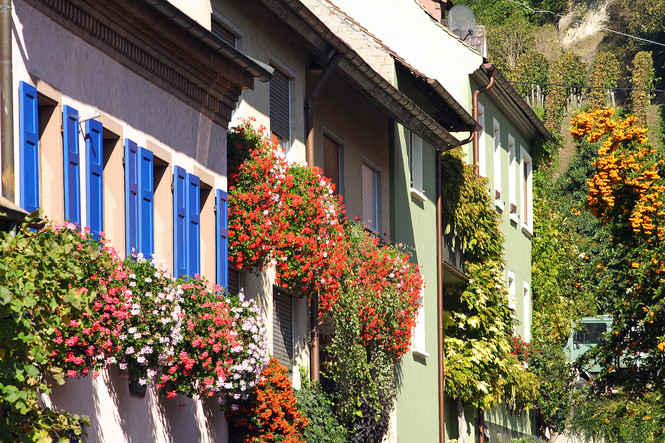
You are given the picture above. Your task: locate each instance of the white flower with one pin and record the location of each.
(148, 280)
(132, 330)
(130, 350)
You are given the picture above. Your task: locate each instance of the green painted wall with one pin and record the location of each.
(414, 224)
(517, 240)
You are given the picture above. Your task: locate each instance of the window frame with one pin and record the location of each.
(526, 184)
(285, 141)
(512, 179)
(526, 312)
(418, 342)
(340, 160)
(482, 148)
(277, 321)
(416, 182)
(377, 195)
(496, 162)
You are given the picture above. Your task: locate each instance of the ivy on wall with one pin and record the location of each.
(481, 369)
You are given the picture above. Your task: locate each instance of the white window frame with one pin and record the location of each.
(482, 148)
(416, 186)
(512, 180)
(526, 190)
(512, 296)
(328, 133)
(377, 192)
(496, 142)
(526, 309)
(418, 342)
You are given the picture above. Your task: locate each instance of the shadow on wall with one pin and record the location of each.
(117, 416)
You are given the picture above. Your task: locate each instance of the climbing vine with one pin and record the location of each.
(481, 368)
(286, 215)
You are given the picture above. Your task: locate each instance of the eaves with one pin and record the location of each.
(358, 73)
(512, 104)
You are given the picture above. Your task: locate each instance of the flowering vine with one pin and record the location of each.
(283, 213)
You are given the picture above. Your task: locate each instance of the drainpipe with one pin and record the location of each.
(476, 153)
(314, 361)
(7, 105)
(439, 298)
(309, 105)
(476, 150)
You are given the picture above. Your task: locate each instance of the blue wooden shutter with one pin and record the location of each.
(179, 221)
(146, 215)
(29, 146)
(70, 140)
(94, 152)
(131, 196)
(222, 238)
(193, 224)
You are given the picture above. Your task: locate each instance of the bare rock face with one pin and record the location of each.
(583, 23)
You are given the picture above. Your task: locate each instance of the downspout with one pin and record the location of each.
(439, 298)
(309, 105)
(476, 150)
(476, 153)
(6, 85)
(314, 362)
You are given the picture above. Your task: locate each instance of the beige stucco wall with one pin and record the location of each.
(70, 71)
(263, 38)
(362, 130)
(199, 10)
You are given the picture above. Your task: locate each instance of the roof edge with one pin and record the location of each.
(512, 102)
(258, 69)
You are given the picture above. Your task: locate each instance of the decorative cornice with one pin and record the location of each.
(149, 44)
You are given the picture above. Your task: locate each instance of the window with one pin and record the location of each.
(51, 181)
(29, 147)
(94, 179)
(139, 197)
(222, 234)
(512, 178)
(527, 191)
(418, 347)
(221, 31)
(482, 157)
(512, 296)
(280, 111)
(370, 198)
(416, 165)
(282, 327)
(72, 171)
(186, 223)
(526, 321)
(497, 164)
(332, 162)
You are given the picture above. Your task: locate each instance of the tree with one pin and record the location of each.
(626, 194)
(642, 78)
(604, 72)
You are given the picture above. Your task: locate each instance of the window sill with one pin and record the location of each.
(514, 218)
(418, 195)
(420, 353)
(528, 230)
(499, 204)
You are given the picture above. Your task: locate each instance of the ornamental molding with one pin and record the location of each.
(148, 43)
